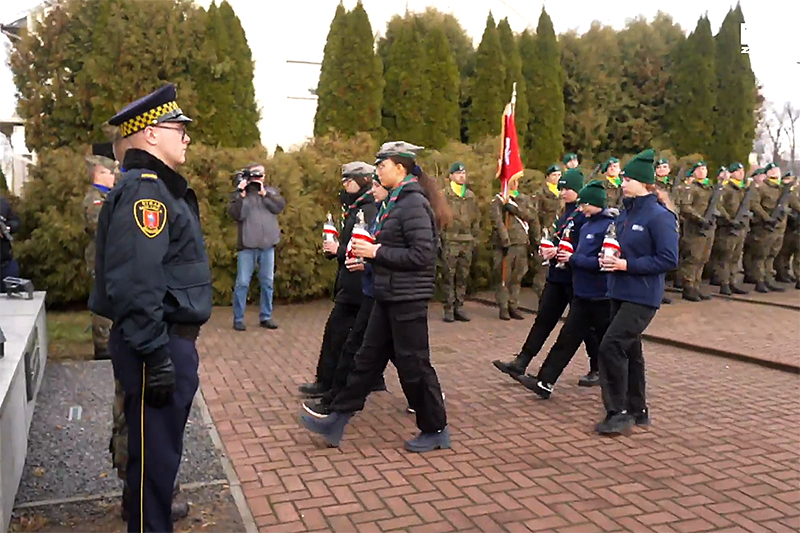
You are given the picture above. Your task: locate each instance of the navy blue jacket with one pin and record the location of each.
(648, 237)
(573, 219)
(588, 281)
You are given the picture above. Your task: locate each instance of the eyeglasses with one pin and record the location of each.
(180, 129)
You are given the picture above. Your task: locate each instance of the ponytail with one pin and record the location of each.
(441, 211)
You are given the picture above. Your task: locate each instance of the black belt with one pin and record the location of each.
(186, 331)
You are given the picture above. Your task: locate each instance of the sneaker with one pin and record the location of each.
(531, 383)
(316, 408)
(312, 390)
(615, 424)
(641, 418)
(268, 324)
(427, 442)
(330, 427)
(239, 326)
(589, 380)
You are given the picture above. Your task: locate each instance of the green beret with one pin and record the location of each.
(357, 169)
(458, 166)
(553, 168)
(594, 193)
(642, 167)
(608, 163)
(662, 161)
(397, 149)
(788, 174)
(770, 166)
(722, 169)
(695, 167)
(756, 172)
(735, 166)
(569, 157)
(572, 179)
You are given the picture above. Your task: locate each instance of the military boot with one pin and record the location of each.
(784, 278)
(715, 281)
(691, 294)
(460, 315)
(515, 314)
(797, 285)
(504, 314)
(773, 287)
(761, 287)
(738, 290)
(448, 315)
(513, 368)
(725, 289)
(101, 353)
(666, 300)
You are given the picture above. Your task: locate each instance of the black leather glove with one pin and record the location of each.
(159, 379)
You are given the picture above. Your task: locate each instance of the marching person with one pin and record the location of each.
(356, 197)
(590, 308)
(790, 249)
(154, 282)
(546, 206)
(570, 160)
(732, 230)
(459, 242)
(751, 247)
(404, 276)
(648, 237)
(557, 292)
(511, 219)
(725, 218)
(768, 227)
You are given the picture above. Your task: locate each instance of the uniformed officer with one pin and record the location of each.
(154, 282)
(546, 204)
(756, 179)
(570, 160)
(612, 182)
(664, 192)
(768, 226)
(459, 242)
(725, 218)
(732, 230)
(790, 250)
(511, 220)
(100, 168)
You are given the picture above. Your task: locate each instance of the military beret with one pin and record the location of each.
(735, 166)
(569, 157)
(608, 163)
(695, 167)
(788, 174)
(571, 179)
(722, 169)
(458, 166)
(357, 168)
(397, 149)
(662, 161)
(155, 108)
(756, 172)
(553, 168)
(770, 166)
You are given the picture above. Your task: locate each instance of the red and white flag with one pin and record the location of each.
(509, 164)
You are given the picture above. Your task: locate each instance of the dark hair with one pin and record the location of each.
(362, 181)
(441, 211)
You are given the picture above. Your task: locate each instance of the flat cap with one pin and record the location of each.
(356, 169)
(159, 106)
(397, 149)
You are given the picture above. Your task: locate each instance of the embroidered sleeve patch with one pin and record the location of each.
(148, 176)
(150, 216)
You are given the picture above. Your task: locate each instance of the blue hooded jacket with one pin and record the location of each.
(573, 219)
(588, 281)
(648, 238)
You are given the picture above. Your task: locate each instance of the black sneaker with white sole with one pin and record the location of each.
(316, 408)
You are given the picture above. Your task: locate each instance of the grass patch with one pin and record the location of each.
(70, 334)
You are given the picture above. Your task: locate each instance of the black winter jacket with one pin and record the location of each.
(348, 284)
(405, 265)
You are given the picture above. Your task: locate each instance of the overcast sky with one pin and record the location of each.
(296, 30)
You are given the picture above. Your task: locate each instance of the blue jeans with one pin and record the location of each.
(248, 259)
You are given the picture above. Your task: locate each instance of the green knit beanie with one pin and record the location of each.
(571, 179)
(641, 168)
(594, 193)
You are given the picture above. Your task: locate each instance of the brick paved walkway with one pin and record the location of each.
(723, 453)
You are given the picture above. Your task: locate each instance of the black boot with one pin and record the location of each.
(504, 314)
(761, 287)
(101, 354)
(690, 295)
(783, 278)
(460, 315)
(590, 380)
(703, 296)
(516, 315)
(179, 509)
(773, 287)
(715, 281)
(312, 390)
(512, 368)
(725, 289)
(797, 285)
(666, 300)
(738, 290)
(749, 279)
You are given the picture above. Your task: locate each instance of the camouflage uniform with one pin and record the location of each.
(766, 238)
(697, 240)
(790, 250)
(729, 239)
(613, 191)
(546, 207)
(515, 241)
(459, 240)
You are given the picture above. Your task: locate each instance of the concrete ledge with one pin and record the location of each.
(24, 324)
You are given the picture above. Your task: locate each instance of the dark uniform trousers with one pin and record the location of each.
(8, 269)
(621, 359)
(555, 298)
(351, 345)
(155, 436)
(341, 319)
(584, 316)
(398, 331)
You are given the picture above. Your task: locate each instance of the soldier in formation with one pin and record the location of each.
(790, 249)
(612, 182)
(547, 205)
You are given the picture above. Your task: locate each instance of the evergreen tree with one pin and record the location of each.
(364, 70)
(488, 97)
(407, 91)
(513, 67)
(545, 97)
(443, 111)
(735, 121)
(692, 115)
(331, 85)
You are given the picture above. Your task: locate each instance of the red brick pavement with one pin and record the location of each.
(722, 455)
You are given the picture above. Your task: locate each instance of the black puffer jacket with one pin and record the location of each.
(405, 264)
(348, 284)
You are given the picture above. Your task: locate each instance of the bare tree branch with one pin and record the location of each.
(792, 115)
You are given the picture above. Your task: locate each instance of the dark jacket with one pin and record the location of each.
(151, 264)
(588, 281)
(257, 217)
(348, 284)
(11, 220)
(368, 277)
(405, 264)
(648, 237)
(573, 219)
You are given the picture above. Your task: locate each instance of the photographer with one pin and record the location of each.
(255, 207)
(9, 224)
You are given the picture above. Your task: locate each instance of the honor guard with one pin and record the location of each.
(154, 282)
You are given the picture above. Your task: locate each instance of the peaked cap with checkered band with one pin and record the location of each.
(155, 108)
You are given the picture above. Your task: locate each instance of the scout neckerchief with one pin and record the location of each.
(704, 182)
(567, 223)
(388, 205)
(553, 188)
(460, 190)
(614, 180)
(737, 183)
(514, 193)
(361, 200)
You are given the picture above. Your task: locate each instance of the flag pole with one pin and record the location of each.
(507, 220)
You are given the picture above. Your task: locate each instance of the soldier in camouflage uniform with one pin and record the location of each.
(731, 233)
(768, 229)
(511, 247)
(698, 236)
(546, 204)
(570, 160)
(748, 254)
(459, 242)
(790, 250)
(712, 268)
(101, 171)
(664, 193)
(613, 182)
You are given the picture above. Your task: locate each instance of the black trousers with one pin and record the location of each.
(398, 331)
(353, 342)
(555, 298)
(621, 359)
(338, 326)
(8, 269)
(584, 316)
(155, 436)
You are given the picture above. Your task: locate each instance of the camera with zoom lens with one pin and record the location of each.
(246, 174)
